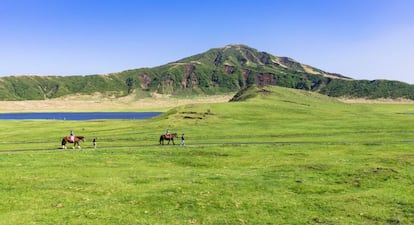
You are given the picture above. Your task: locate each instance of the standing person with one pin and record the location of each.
(182, 140)
(94, 142)
(72, 136)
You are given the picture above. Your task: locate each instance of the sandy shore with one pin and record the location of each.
(97, 103)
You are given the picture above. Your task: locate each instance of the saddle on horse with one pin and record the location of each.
(69, 139)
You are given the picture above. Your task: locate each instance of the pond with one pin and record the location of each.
(79, 115)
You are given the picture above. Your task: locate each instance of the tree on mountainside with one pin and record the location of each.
(130, 84)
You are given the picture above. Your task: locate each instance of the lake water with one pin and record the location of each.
(79, 116)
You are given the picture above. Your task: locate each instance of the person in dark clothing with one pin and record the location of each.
(94, 142)
(182, 140)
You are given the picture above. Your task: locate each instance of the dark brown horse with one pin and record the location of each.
(75, 141)
(169, 137)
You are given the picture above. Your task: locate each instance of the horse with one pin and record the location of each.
(169, 137)
(75, 142)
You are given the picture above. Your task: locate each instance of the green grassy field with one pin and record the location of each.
(282, 157)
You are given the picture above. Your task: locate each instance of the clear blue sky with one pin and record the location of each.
(362, 39)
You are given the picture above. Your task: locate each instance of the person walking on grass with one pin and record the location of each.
(94, 142)
(182, 140)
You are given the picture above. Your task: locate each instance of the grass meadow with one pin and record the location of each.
(283, 157)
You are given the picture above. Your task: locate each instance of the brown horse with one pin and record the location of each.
(169, 137)
(75, 142)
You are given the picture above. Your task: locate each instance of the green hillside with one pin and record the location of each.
(271, 156)
(219, 70)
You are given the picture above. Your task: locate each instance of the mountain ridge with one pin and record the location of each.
(218, 70)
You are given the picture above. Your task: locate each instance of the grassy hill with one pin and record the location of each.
(271, 156)
(216, 71)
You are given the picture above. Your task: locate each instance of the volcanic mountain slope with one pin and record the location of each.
(235, 66)
(219, 70)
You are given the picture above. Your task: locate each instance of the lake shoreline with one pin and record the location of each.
(79, 115)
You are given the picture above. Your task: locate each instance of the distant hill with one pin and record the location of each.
(219, 70)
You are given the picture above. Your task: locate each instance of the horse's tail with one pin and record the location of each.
(63, 141)
(161, 138)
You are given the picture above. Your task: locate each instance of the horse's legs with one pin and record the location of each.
(76, 143)
(63, 143)
(173, 141)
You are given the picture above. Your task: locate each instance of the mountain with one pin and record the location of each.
(219, 70)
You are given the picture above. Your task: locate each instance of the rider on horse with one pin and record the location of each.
(167, 133)
(72, 136)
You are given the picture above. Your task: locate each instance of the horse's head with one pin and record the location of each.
(174, 135)
(81, 138)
